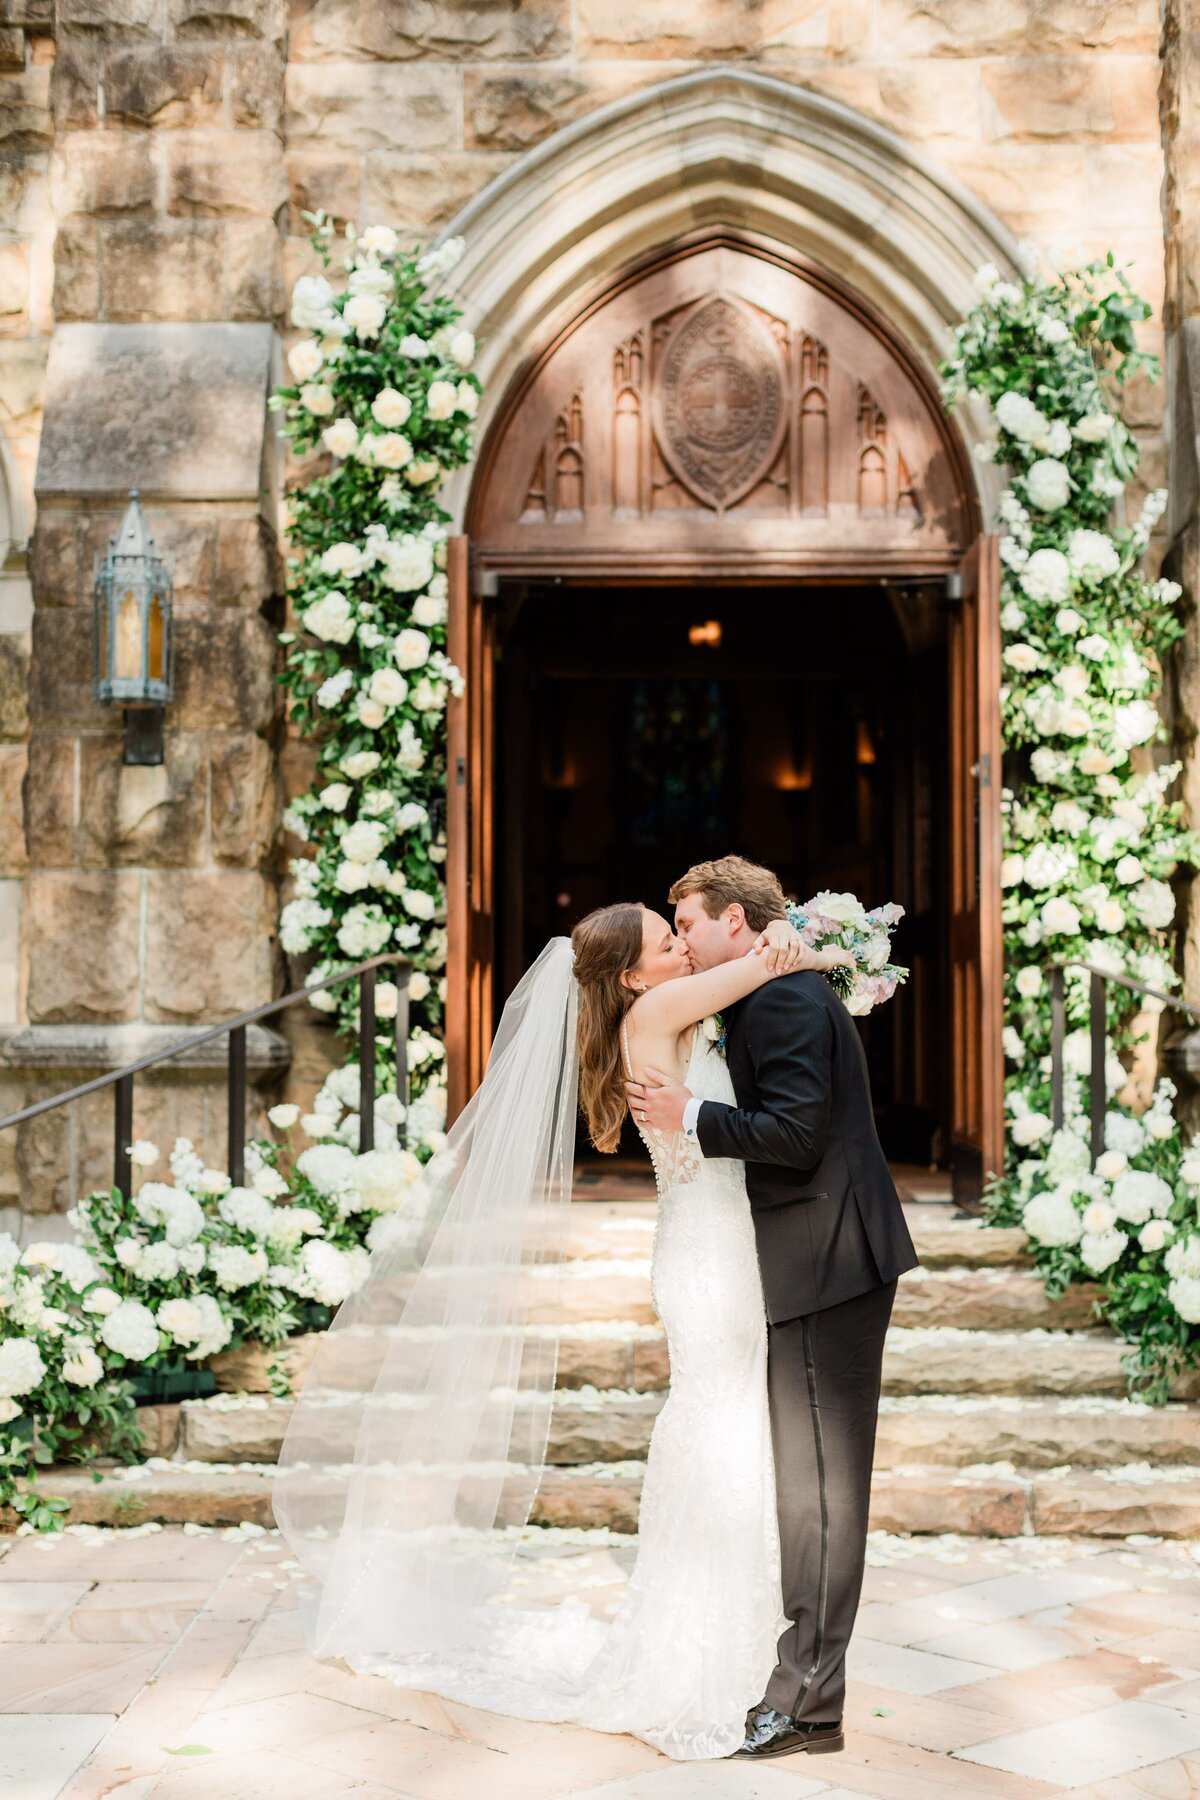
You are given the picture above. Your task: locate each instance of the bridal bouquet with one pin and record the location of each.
(842, 919)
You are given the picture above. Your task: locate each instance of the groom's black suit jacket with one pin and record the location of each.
(826, 1213)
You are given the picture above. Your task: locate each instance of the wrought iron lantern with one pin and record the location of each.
(132, 595)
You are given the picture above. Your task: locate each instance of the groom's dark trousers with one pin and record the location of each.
(832, 1241)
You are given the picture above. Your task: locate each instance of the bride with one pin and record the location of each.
(415, 1451)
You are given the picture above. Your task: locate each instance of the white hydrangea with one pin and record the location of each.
(330, 1168)
(324, 1273)
(246, 1210)
(178, 1213)
(290, 1225)
(1048, 484)
(1099, 1250)
(1052, 1218)
(1092, 555)
(22, 1367)
(234, 1267)
(131, 1330)
(1121, 1132)
(1183, 1257)
(1046, 577)
(331, 618)
(1140, 1195)
(157, 1262)
(1184, 1295)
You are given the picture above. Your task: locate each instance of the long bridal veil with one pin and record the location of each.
(413, 1454)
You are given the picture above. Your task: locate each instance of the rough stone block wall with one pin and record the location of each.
(155, 157)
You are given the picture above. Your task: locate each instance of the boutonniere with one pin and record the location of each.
(714, 1030)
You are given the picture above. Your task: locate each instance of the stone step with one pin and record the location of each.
(973, 1299)
(603, 1230)
(994, 1500)
(614, 1353)
(945, 1430)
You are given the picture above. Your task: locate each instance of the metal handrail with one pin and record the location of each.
(235, 1029)
(1097, 1026)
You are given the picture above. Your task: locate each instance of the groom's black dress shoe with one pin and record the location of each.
(771, 1733)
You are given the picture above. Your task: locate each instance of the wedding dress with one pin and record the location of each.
(440, 1385)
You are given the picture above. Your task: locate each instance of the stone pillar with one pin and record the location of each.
(151, 891)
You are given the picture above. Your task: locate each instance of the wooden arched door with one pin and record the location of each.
(723, 412)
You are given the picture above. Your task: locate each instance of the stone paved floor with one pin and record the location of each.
(168, 1663)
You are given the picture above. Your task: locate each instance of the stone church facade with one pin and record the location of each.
(156, 158)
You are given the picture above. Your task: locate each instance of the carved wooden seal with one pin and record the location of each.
(718, 400)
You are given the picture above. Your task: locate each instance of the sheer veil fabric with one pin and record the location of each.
(413, 1454)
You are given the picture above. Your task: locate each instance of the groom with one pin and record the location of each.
(832, 1241)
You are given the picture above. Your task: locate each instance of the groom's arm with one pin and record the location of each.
(789, 1039)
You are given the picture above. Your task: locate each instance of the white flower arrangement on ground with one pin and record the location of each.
(183, 1269)
(1091, 839)
(382, 385)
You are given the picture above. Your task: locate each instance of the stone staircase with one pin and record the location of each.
(1003, 1412)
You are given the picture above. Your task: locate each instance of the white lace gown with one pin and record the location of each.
(693, 1642)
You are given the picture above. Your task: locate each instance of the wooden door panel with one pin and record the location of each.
(469, 834)
(976, 943)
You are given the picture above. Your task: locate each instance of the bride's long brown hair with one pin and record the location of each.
(606, 944)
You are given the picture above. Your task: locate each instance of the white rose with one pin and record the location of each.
(335, 796)
(82, 1368)
(364, 314)
(420, 904)
(389, 687)
(351, 878)
(1061, 917)
(317, 1125)
(1068, 621)
(391, 450)
(379, 240)
(1076, 721)
(1031, 1128)
(467, 399)
(843, 909)
(1156, 1235)
(1012, 871)
(414, 346)
(411, 649)
(1110, 918)
(143, 1154)
(304, 359)
(1093, 761)
(317, 400)
(1029, 982)
(1128, 870)
(1068, 816)
(102, 1301)
(312, 303)
(1022, 657)
(418, 985)
(284, 1116)
(423, 469)
(361, 764)
(391, 408)
(407, 563)
(461, 349)
(441, 400)
(1111, 1164)
(330, 618)
(369, 278)
(1093, 428)
(341, 437)
(370, 712)
(182, 1320)
(428, 609)
(342, 559)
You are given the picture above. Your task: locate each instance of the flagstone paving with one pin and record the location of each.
(168, 1664)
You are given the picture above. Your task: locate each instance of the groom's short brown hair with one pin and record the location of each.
(732, 880)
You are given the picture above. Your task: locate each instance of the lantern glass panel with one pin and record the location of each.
(156, 658)
(129, 638)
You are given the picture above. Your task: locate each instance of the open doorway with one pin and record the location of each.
(639, 729)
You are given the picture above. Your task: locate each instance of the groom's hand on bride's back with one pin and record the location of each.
(658, 1103)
